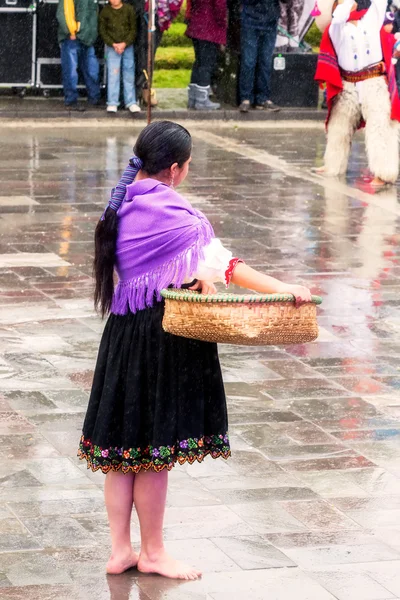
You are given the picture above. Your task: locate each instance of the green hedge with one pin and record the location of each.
(182, 14)
(174, 58)
(175, 36)
(313, 36)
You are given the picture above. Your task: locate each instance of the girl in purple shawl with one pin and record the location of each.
(156, 399)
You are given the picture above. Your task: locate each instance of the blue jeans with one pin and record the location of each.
(76, 55)
(114, 60)
(257, 48)
(206, 55)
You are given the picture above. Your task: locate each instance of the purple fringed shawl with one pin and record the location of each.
(160, 241)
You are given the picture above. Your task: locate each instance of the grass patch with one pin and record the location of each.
(171, 78)
(174, 58)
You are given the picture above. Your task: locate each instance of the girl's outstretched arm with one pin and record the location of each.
(246, 277)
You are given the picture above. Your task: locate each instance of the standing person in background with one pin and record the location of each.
(291, 11)
(77, 33)
(117, 27)
(258, 35)
(166, 13)
(207, 26)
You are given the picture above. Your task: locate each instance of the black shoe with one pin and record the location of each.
(245, 106)
(97, 104)
(75, 107)
(268, 105)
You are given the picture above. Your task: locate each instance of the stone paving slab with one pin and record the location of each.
(308, 507)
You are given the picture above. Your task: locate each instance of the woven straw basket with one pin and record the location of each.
(243, 320)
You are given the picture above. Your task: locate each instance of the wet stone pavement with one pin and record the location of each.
(308, 508)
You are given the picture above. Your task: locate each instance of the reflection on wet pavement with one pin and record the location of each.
(309, 505)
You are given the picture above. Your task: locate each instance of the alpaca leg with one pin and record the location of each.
(343, 122)
(381, 133)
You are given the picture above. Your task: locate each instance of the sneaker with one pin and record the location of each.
(268, 105)
(134, 108)
(112, 109)
(245, 106)
(75, 107)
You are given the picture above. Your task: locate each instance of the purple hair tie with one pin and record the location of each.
(118, 193)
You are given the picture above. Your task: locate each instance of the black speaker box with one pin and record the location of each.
(294, 85)
(17, 31)
(292, 80)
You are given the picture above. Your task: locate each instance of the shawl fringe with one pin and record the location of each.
(141, 292)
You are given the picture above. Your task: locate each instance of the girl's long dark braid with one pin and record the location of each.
(105, 242)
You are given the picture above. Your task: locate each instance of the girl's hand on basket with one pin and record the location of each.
(247, 277)
(205, 287)
(300, 292)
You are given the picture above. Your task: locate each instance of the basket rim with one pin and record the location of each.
(191, 296)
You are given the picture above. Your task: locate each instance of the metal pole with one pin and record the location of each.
(151, 30)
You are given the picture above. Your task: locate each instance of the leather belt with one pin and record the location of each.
(355, 76)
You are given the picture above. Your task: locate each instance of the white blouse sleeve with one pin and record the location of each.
(339, 20)
(376, 13)
(341, 14)
(217, 265)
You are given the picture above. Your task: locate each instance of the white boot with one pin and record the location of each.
(202, 98)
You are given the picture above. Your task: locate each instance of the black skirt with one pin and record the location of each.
(156, 398)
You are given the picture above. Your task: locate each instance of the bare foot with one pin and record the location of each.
(320, 170)
(167, 567)
(121, 563)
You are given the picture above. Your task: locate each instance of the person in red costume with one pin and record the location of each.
(355, 63)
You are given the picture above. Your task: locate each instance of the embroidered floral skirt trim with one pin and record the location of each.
(164, 457)
(156, 399)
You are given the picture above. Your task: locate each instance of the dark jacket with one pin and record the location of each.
(208, 20)
(396, 24)
(260, 13)
(117, 25)
(86, 14)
